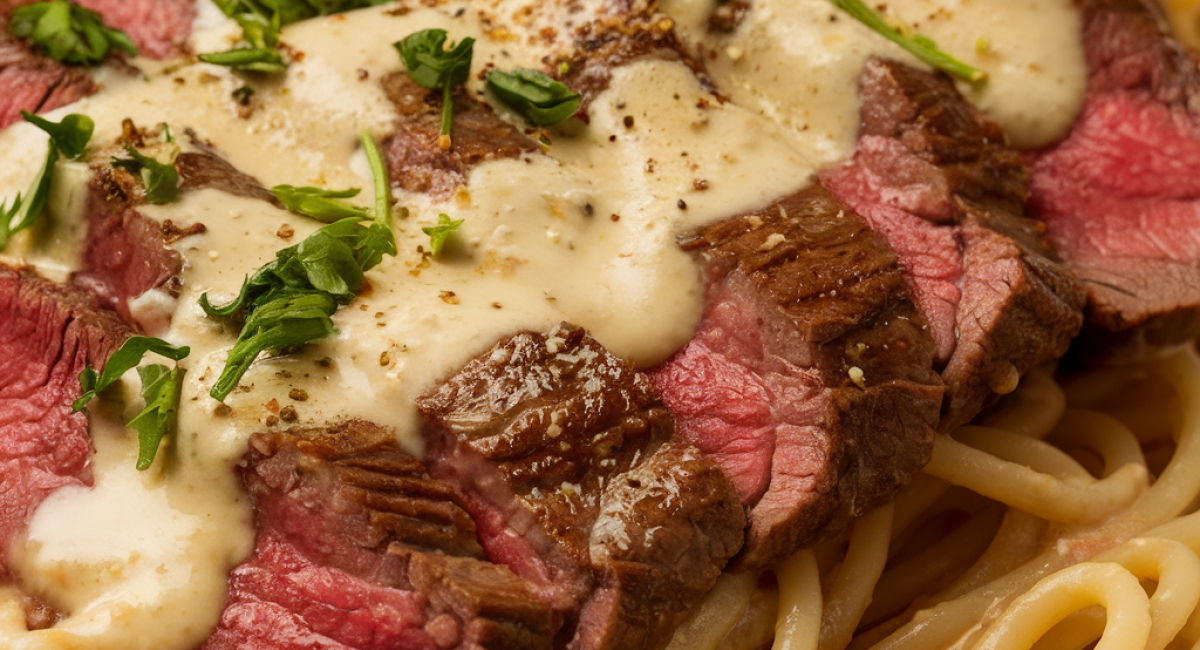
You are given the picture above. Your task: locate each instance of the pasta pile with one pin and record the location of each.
(1064, 518)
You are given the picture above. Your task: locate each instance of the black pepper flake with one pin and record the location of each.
(288, 414)
(222, 410)
(325, 363)
(272, 420)
(628, 121)
(298, 394)
(700, 185)
(588, 210)
(612, 138)
(243, 94)
(682, 204)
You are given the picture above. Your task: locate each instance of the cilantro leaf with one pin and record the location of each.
(441, 232)
(290, 300)
(160, 391)
(127, 357)
(535, 95)
(919, 46)
(433, 66)
(66, 32)
(319, 204)
(160, 180)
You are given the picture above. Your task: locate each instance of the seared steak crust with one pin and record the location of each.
(1119, 194)
(566, 453)
(359, 547)
(810, 380)
(937, 179)
(416, 162)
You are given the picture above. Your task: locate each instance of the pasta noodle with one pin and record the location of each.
(1044, 525)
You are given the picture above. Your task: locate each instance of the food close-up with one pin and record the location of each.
(599, 324)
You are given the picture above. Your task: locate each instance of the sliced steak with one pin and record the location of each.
(48, 334)
(1121, 194)
(358, 547)
(937, 179)
(416, 162)
(160, 28)
(566, 458)
(126, 254)
(810, 380)
(34, 83)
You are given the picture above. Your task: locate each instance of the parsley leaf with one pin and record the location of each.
(433, 66)
(70, 137)
(535, 95)
(160, 179)
(919, 46)
(160, 390)
(290, 301)
(319, 204)
(66, 32)
(441, 232)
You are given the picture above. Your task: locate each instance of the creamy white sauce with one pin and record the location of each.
(797, 61)
(584, 233)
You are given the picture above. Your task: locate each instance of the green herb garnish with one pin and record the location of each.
(261, 21)
(160, 179)
(160, 390)
(319, 204)
(253, 59)
(535, 95)
(919, 46)
(290, 301)
(433, 66)
(69, 137)
(441, 232)
(66, 32)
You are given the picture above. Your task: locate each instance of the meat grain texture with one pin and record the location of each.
(1120, 196)
(48, 334)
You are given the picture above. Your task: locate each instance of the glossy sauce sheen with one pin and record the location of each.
(584, 233)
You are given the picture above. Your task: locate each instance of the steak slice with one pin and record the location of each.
(126, 253)
(34, 83)
(1121, 194)
(48, 334)
(358, 547)
(936, 178)
(565, 454)
(810, 380)
(416, 162)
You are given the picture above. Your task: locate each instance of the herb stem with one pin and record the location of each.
(379, 174)
(447, 109)
(920, 47)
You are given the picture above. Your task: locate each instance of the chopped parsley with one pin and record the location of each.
(439, 234)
